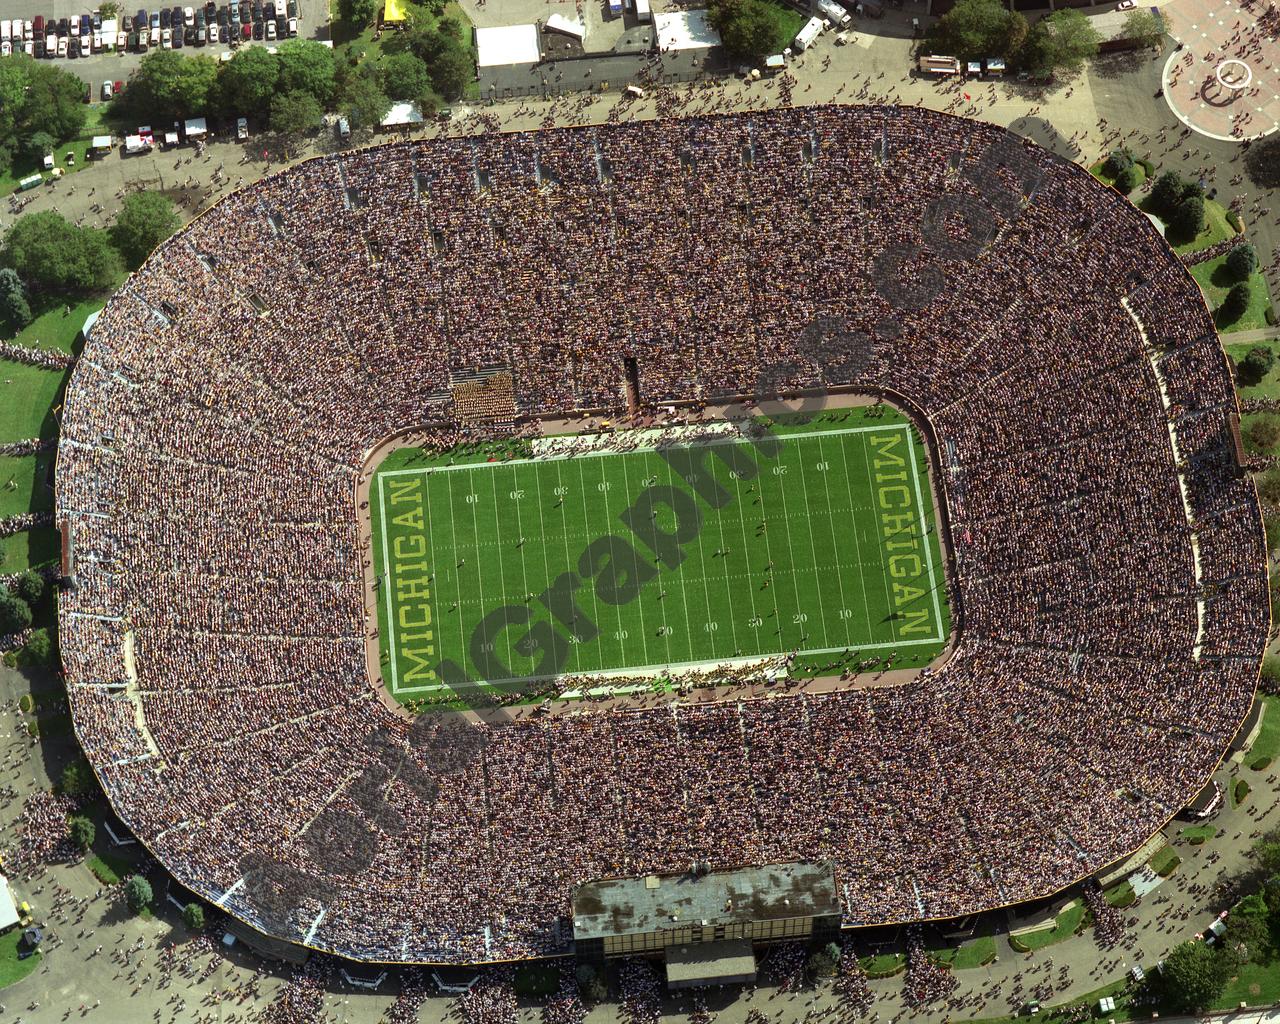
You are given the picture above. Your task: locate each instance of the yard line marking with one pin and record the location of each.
(516, 488)
(857, 544)
(386, 570)
(791, 553)
(706, 591)
(501, 560)
(742, 522)
(934, 582)
(564, 523)
(835, 544)
(813, 547)
(639, 602)
(888, 597)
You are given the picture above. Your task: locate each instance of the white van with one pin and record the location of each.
(805, 37)
(834, 13)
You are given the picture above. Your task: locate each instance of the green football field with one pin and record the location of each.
(529, 560)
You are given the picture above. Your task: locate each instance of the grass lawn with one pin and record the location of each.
(11, 968)
(1121, 895)
(537, 980)
(1098, 171)
(1197, 834)
(518, 523)
(1268, 742)
(1063, 1011)
(974, 952)
(27, 397)
(1215, 282)
(1215, 230)
(106, 869)
(786, 23)
(883, 965)
(360, 43)
(1269, 386)
(22, 484)
(1062, 928)
(94, 124)
(1165, 862)
(1254, 983)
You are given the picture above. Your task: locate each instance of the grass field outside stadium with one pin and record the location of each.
(822, 543)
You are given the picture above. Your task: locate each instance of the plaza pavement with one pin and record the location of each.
(1114, 101)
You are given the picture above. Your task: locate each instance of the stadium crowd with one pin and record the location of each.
(1107, 555)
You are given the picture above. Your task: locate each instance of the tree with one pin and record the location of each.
(137, 892)
(1242, 261)
(1129, 179)
(295, 113)
(358, 13)
(145, 220)
(15, 311)
(1262, 162)
(193, 916)
(1187, 220)
(77, 779)
(1269, 490)
(824, 962)
(1264, 432)
(1234, 305)
(1167, 192)
(15, 614)
(30, 587)
(38, 650)
(448, 56)
(1256, 364)
(974, 29)
(82, 832)
(1118, 161)
(170, 87)
(1059, 44)
(247, 82)
(307, 66)
(1143, 27)
(49, 252)
(405, 76)
(363, 101)
(1247, 927)
(1194, 975)
(746, 27)
(37, 99)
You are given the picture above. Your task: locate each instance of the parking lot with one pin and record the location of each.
(313, 23)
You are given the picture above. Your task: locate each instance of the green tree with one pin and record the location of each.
(137, 892)
(247, 82)
(170, 87)
(1242, 261)
(295, 113)
(1256, 364)
(1129, 179)
(1118, 161)
(82, 832)
(1264, 432)
(1059, 45)
(1234, 305)
(76, 779)
(193, 916)
(405, 76)
(30, 587)
(15, 614)
(307, 66)
(448, 56)
(974, 29)
(145, 220)
(15, 311)
(49, 252)
(363, 101)
(37, 144)
(1166, 192)
(358, 13)
(54, 103)
(1143, 27)
(1187, 220)
(1248, 930)
(38, 650)
(1194, 976)
(746, 27)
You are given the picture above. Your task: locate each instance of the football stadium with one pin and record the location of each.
(842, 506)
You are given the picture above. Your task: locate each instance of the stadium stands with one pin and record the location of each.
(1108, 556)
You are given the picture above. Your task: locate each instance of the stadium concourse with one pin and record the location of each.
(1109, 579)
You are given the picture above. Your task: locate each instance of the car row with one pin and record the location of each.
(168, 28)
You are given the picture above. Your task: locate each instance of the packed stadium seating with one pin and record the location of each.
(1107, 563)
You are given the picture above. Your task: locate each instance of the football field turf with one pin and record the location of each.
(540, 561)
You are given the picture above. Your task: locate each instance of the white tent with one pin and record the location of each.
(508, 44)
(197, 128)
(570, 27)
(402, 114)
(685, 30)
(8, 908)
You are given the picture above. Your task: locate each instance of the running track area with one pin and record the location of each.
(1210, 32)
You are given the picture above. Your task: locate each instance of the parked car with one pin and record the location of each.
(62, 46)
(242, 129)
(6, 48)
(271, 30)
(95, 21)
(73, 52)
(189, 36)
(189, 17)
(163, 16)
(166, 38)
(86, 25)
(293, 8)
(246, 30)
(177, 38)
(257, 30)
(344, 127)
(88, 95)
(108, 90)
(119, 86)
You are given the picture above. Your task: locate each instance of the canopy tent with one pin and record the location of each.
(394, 12)
(508, 44)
